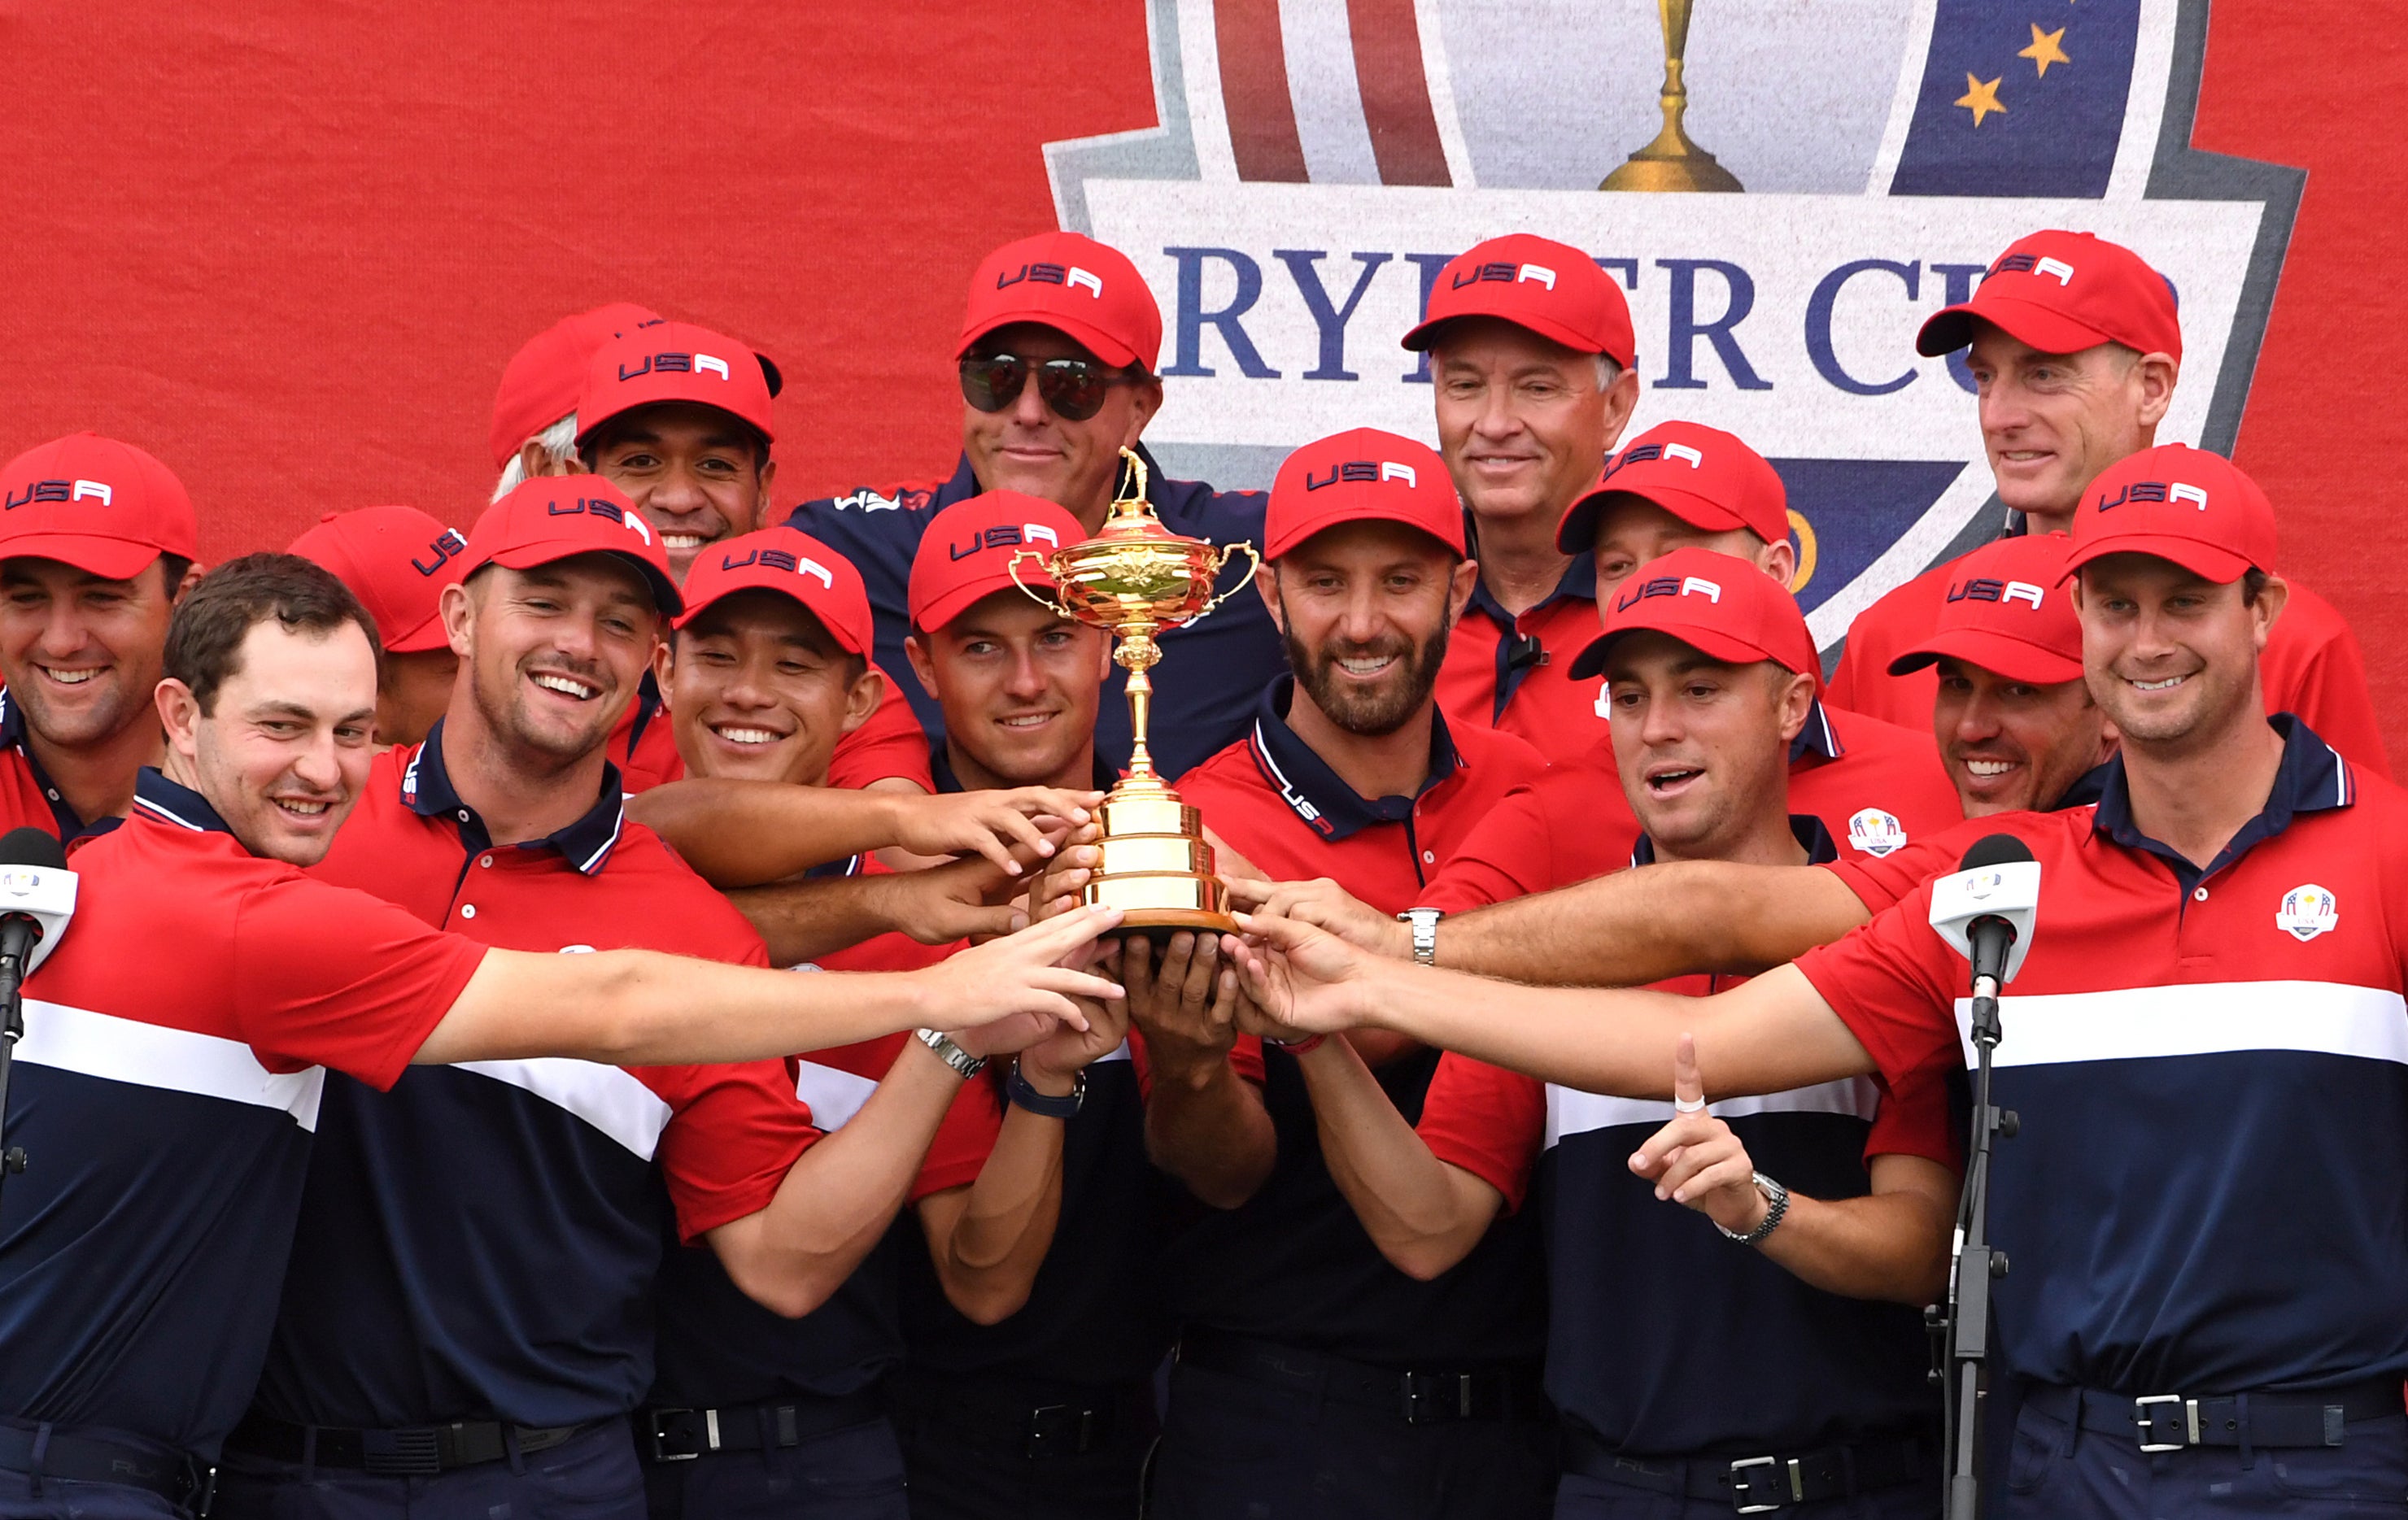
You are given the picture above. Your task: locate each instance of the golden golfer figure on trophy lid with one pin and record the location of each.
(1135, 579)
(1672, 162)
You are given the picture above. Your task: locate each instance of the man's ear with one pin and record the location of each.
(2155, 374)
(1147, 401)
(922, 666)
(458, 609)
(1621, 399)
(2273, 598)
(1267, 587)
(764, 503)
(1459, 587)
(1780, 561)
(665, 666)
(193, 574)
(179, 713)
(1796, 702)
(862, 697)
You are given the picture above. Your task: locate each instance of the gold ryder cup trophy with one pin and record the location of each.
(1671, 161)
(1135, 579)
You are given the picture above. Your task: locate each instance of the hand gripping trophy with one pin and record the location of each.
(1134, 579)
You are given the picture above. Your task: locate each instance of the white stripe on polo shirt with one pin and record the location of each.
(604, 1096)
(141, 1055)
(2203, 1019)
(1573, 1112)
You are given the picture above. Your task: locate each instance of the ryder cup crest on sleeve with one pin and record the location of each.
(396, 560)
(676, 361)
(556, 518)
(2008, 612)
(1550, 287)
(968, 552)
(540, 383)
(2181, 504)
(791, 564)
(1706, 477)
(1719, 604)
(1361, 475)
(2061, 292)
(104, 507)
(1086, 291)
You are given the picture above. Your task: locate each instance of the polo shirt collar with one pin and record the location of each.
(170, 803)
(1579, 580)
(2087, 788)
(2312, 777)
(1313, 791)
(1817, 738)
(1808, 830)
(12, 736)
(940, 768)
(426, 789)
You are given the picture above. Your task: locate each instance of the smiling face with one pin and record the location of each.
(1703, 747)
(2051, 423)
(699, 473)
(2172, 657)
(1364, 610)
(554, 654)
(82, 654)
(1029, 448)
(759, 690)
(1521, 419)
(286, 744)
(2014, 745)
(1019, 687)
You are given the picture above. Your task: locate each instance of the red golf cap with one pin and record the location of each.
(1553, 289)
(560, 516)
(395, 561)
(540, 383)
(2009, 613)
(2062, 292)
(2179, 503)
(966, 553)
(674, 361)
(792, 563)
(1718, 604)
(104, 507)
(1359, 476)
(1084, 290)
(1702, 475)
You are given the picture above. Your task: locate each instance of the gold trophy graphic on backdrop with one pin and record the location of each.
(1672, 162)
(1134, 579)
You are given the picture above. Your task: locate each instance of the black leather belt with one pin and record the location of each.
(182, 1480)
(411, 1452)
(1511, 1392)
(1037, 1419)
(669, 1434)
(2174, 1421)
(1760, 1485)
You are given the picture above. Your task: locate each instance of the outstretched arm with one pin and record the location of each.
(746, 834)
(1627, 929)
(643, 1008)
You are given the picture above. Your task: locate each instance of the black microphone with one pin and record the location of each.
(20, 929)
(1992, 934)
(1526, 651)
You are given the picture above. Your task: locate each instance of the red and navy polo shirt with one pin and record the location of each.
(28, 797)
(167, 1089)
(1211, 667)
(2211, 1064)
(1877, 788)
(1880, 881)
(1514, 674)
(538, 1181)
(2311, 666)
(1293, 1264)
(888, 743)
(717, 1347)
(1662, 1338)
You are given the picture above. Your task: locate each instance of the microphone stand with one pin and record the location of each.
(12, 1029)
(1977, 1264)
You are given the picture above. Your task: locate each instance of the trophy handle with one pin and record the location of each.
(1253, 564)
(1050, 603)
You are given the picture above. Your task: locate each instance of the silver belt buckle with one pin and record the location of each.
(2144, 1425)
(1797, 1485)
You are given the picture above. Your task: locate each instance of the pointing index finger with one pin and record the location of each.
(1689, 1087)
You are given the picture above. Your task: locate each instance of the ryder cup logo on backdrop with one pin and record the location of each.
(1301, 197)
(2307, 912)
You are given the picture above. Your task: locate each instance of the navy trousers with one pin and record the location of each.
(2058, 1472)
(1238, 1450)
(855, 1473)
(592, 1476)
(61, 1500)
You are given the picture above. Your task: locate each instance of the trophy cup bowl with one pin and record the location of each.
(1135, 579)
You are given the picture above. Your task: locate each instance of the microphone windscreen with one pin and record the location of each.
(30, 846)
(1989, 850)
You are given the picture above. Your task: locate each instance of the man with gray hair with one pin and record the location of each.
(535, 411)
(1530, 355)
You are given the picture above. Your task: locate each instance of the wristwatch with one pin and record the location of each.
(1424, 922)
(965, 1065)
(1017, 1088)
(1778, 1198)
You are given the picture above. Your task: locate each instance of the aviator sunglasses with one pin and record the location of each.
(1073, 388)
